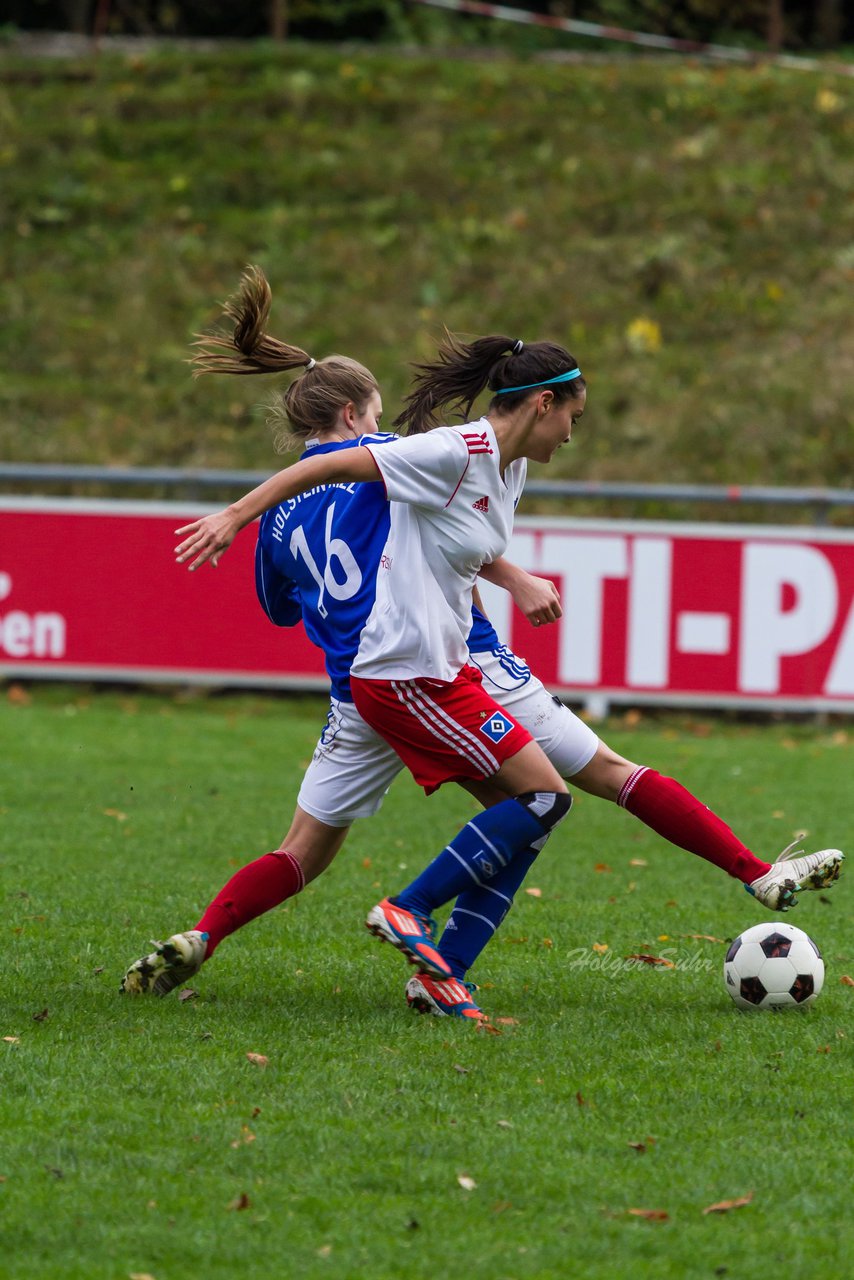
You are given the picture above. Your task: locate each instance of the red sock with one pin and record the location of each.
(665, 805)
(251, 891)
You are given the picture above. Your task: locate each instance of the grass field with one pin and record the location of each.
(139, 1139)
(684, 230)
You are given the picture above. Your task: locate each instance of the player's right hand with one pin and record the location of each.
(207, 539)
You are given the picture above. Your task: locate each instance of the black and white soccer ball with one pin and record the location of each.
(773, 966)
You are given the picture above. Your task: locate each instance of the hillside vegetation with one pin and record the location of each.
(685, 230)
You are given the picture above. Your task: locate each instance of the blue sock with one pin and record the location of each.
(477, 913)
(474, 857)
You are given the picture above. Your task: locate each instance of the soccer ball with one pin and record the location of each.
(773, 966)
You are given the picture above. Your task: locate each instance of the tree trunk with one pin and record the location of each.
(775, 25)
(827, 31)
(77, 16)
(279, 19)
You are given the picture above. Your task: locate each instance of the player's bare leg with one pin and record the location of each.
(305, 852)
(665, 806)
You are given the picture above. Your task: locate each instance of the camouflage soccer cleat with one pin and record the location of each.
(411, 934)
(171, 963)
(445, 997)
(793, 872)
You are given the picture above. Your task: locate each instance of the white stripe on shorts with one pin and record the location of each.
(437, 722)
(442, 717)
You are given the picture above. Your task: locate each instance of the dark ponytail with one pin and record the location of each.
(460, 373)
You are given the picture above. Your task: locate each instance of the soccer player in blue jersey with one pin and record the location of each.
(317, 557)
(316, 561)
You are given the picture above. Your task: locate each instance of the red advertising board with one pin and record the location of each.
(704, 615)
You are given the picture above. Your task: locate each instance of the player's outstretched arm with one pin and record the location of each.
(537, 598)
(208, 538)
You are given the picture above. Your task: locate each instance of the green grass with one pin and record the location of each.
(131, 1129)
(607, 206)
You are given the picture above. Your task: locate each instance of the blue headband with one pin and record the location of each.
(561, 377)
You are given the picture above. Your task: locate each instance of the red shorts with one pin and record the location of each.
(441, 731)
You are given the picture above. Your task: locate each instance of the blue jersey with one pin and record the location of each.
(316, 560)
(483, 637)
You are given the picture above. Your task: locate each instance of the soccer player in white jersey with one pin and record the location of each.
(464, 736)
(342, 529)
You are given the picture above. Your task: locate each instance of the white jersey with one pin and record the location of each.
(451, 513)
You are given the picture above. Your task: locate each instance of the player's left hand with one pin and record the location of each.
(537, 598)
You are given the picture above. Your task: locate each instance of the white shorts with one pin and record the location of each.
(353, 767)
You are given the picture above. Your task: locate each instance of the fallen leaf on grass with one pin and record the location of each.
(467, 1183)
(508, 1022)
(242, 1202)
(490, 1027)
(504, 1124)
(638, 862)
(823, 1048)
(246, 1136)
(140, 1275)
(600, 947)
(12, 1039)
(115, 813)
(187, 994)
(258, 1059)
(641, 1147)
(602, 868)
(581, 1100)
(40, 1017)
(654, 960)
(17, 695)
(724, 1206)
(324, 1251)
(701, 937)
(650, 1215)
(501, 1206)
(534, 893)
(846, 980)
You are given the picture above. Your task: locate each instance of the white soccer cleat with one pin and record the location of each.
(172, 963)
(793, 872)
